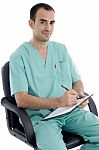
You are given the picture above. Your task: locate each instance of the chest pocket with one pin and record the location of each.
(63, 72)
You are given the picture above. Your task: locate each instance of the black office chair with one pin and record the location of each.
(24, 131)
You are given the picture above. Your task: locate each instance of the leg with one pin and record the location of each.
(48, 136)
(85, 124)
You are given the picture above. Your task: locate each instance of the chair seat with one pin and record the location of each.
(72, 139)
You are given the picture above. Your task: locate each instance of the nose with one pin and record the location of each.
(48, 26)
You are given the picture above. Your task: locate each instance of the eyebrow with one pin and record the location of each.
(46, 20)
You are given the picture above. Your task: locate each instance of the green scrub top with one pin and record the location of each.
(30, 73)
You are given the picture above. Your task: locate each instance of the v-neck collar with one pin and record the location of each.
(46, 61)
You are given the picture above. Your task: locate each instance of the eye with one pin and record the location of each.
(52, 22)
(42, 22)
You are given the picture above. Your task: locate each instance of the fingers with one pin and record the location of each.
(81, 95)
(73, 94)
(71, 97)
(83, 105)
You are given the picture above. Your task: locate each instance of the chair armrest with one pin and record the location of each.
(26, 122)
(92, 106)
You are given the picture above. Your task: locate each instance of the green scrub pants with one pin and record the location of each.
(79, 121)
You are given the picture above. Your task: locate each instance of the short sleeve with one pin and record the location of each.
(74, 72)
(18, 80)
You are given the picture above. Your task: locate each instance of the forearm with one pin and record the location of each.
(25, 100)
(78, 86)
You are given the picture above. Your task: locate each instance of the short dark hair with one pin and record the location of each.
(36, 7)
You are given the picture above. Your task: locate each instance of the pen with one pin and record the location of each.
(68, 90)
(65, 87)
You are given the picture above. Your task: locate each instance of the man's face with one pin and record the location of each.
(43, 25)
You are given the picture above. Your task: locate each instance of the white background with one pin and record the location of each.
(77, 26)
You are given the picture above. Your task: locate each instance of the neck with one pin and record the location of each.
(40, 46)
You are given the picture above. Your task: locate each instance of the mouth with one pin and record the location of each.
(46, 33)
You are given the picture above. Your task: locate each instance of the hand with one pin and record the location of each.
(84, 104)
(68, 99)
(81, 95)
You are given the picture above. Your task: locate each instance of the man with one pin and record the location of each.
(38, 68)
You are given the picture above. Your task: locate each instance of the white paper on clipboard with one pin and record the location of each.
(66, 109)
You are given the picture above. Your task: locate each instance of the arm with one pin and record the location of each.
(78, 86)
(25, 100)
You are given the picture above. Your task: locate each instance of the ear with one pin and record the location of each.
(31, 23)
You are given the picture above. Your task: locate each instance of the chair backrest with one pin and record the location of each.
(13, 118)
(6, 82)
(5, 79)
(16, 127)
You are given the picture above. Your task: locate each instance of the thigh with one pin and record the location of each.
(48, 136)
(84, 123)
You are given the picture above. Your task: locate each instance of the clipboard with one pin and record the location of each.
(67, 109)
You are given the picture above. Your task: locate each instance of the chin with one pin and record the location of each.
(45, 40)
